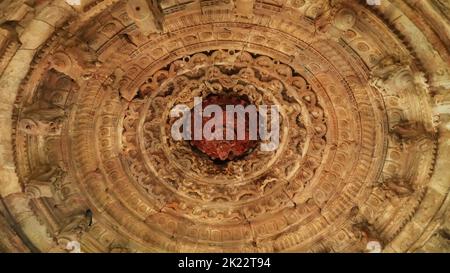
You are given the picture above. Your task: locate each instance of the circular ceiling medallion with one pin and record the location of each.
(214, 143)
(348, 166)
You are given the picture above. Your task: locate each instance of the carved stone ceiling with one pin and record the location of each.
(85, 153)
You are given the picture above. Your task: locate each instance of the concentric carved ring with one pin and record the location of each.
(95, 121)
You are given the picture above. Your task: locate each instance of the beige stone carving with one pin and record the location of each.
(145, 16)
(87, 162)
(244, 7)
